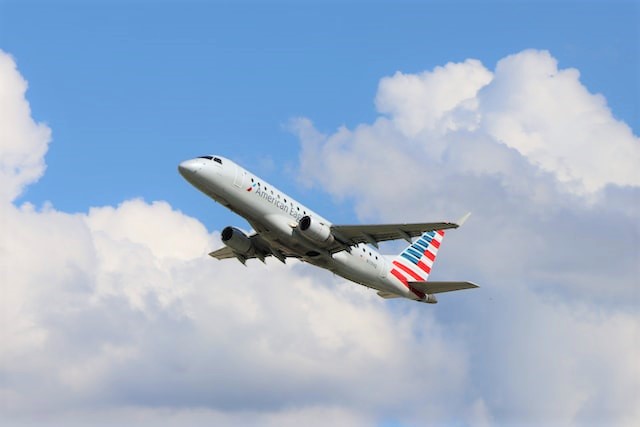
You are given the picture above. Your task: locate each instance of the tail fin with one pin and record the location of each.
(415, 262)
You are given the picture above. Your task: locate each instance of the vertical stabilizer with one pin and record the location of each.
(415, 262)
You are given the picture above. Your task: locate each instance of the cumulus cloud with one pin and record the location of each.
(98, 314)
(118, 316)
(545, 115)
(420, 102)
(552, 180)
(23, 142)
(549, 117)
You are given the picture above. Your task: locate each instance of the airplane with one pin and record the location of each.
(284, 228)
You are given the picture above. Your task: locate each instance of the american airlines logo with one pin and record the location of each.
(286, 208)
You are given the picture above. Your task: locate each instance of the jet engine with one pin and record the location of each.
(315, 231)
(236, 240)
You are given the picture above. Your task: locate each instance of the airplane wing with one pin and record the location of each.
(260, 249)
(439, 287)
(349, 235)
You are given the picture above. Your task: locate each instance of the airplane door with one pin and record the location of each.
(382, 267)
(239, 178)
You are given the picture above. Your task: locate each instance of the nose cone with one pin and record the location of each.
(188, 168)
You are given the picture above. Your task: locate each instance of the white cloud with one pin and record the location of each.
(93, 314)
(552, 180)
(23, 142)
(543, 114)
(421, 102)
(196, 417)
(552, 119)
(556, 360)
(140, 223)
(118, 315)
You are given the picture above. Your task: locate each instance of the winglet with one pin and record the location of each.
(463, 219)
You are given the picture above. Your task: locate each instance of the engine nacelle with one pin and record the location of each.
(430, 299)
(236, 240)
(315, 231)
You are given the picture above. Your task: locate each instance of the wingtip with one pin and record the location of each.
(463, 219)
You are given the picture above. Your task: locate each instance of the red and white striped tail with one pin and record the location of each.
(415, 262)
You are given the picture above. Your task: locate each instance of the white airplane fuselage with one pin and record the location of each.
(275, 216)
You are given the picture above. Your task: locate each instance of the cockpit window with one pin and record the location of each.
(215, 159)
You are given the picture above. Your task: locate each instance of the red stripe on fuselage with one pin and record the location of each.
(400, 277)
(405, 282)
(408, 271)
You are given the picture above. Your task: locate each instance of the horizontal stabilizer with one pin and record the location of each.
(388, 295)
(222, 253)
(439, 287)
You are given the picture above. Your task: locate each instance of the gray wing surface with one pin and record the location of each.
(353, 234)
(345, 237)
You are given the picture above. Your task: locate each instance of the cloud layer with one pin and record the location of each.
(101, 312)
(118, 315)
(553, 182)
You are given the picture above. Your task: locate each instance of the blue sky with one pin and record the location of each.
(141, 85)
(526, 113)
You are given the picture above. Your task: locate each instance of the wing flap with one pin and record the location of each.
(439, 287)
